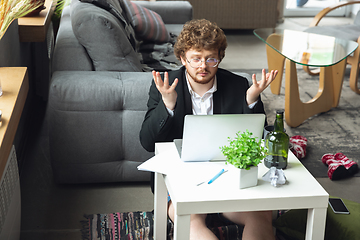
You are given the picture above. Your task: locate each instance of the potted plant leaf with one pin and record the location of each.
(245, 153)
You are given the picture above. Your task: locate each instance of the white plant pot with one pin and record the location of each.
(248, 178)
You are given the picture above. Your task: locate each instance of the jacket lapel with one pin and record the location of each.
(217, 99)
(183, 103)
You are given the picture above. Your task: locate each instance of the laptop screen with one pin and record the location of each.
(204, 134)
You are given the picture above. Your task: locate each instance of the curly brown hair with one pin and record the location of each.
(200, 34)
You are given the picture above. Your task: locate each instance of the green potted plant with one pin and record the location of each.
(245, 153)
(14, 9)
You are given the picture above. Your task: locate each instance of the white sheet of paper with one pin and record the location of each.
(160, 163)
(168, 163)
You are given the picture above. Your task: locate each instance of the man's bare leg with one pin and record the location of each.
(198, 229)
(257, 225)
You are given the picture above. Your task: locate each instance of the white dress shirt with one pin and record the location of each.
(203, 105)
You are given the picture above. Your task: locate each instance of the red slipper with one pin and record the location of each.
(337, 171)
(350, 165)
(328, 158)
(298, 146)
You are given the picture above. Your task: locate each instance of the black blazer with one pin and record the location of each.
(159, 126)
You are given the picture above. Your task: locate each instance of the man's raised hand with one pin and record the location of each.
(168, 93)
(259, 86)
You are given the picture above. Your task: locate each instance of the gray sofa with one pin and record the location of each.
(99, 90)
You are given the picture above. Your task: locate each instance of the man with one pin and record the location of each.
(200, 87)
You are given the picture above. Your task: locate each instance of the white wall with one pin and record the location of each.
(355, 9)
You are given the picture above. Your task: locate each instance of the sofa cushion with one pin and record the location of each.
(105, 38)
(148, 25)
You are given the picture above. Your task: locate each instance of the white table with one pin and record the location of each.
(302, 191)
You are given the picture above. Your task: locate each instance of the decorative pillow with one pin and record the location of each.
(105, 40)
(114, 7)
(148, 25)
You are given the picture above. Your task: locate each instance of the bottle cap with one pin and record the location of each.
(279, 111)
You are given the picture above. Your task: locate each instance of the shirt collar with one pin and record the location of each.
(193, 93)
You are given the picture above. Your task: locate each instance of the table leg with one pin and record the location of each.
(295, 110)
(160, 207)
(181, 227)
(275, 62)
(316, 219)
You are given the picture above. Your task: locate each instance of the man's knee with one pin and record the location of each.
(244, 218)
(198, 218)
(262, 217)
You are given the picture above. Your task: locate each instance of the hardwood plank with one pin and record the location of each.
(15, 85)
(34, 29)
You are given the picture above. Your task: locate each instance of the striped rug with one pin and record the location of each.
(139, 226)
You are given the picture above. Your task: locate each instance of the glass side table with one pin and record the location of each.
(308, 49)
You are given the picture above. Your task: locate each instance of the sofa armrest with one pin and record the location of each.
(169, 9)
(69, 54)
(100, 90)
(94, 124)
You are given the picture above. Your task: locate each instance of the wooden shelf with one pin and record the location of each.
(15, 85)
(34, 29)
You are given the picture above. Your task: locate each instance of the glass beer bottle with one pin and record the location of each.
(277, 144)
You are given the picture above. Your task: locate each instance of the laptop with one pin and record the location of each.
(204, 134)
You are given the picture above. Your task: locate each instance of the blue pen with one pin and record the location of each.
(216, 176)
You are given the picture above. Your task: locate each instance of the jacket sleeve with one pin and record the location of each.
(156, 120)
(232, 93)
(258, 108)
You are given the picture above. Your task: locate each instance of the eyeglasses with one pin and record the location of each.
(196, 62)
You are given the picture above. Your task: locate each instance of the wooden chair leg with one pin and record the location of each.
(275, 61)
(297, 111)
(311, 72)
(354, 61)
(354, 72)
